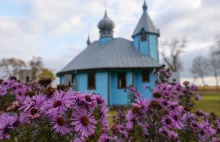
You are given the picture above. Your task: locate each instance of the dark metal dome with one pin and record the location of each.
(106, 23)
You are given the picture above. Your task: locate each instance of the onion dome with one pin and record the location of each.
(106, 23)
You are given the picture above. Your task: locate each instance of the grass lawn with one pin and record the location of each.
(210, 103)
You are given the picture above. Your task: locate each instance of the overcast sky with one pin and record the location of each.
(57, 30)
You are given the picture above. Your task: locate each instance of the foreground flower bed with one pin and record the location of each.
(39, 112)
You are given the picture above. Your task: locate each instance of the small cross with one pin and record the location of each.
(105, 4)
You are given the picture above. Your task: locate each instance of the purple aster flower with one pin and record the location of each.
(57, 104)
(19, 93)
(33, 102)
(194, 87)
(104, 116)
(83, 122)
(6, 125)
(194, 125)
(79, 140)
(14, 119)
(3, 91)
(119, 129)
(173, 135)
(178, 120)
(32, 107)
(88, 100)
(105, 138)
(218, 122)
(6, 84)
(168, 122)
(206, 131)
(198, 97)
(60, 125)
(130, 120)
(164, 131)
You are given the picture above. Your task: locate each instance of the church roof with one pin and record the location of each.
(145, 23)
(119, 53)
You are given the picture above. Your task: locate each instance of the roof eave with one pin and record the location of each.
(111, 68)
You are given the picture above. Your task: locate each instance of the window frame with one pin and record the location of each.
(88, 81)
(144, 73)
(118, 79)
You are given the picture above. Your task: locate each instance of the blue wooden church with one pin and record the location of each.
(107, 66)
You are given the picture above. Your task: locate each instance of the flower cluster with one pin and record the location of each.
(39, 112)
(52, 113)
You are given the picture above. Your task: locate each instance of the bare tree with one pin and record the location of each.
(170, 52)
(214, 64)
(214, 60)
(199, 68)
(11, 66)
(217, 47)
(36, 65)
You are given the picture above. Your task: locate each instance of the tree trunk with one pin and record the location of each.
(203, 82)
(216, 80)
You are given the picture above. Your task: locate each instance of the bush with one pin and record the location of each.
(38, 112)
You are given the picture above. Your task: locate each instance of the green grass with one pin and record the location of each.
(111, 114)
(210, 102)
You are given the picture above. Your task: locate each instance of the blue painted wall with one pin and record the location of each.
(117, 96)
(141, 46)
(148, 47)
(62, 80)
(146, 93)
(101, 84)
(105, 40)
(153, 44)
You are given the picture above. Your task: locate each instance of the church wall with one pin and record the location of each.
(105, 40)
(141, 46)
(153, 44)
(101, 84)
(146, 93)
(62, 79)
(119, 96)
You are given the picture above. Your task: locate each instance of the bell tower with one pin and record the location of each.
(145, 36)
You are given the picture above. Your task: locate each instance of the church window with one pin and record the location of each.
(27, 79)
(143, 36)
(91, 81)
(122, 80)
(146, 76)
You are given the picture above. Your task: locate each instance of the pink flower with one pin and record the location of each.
(83, 122)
